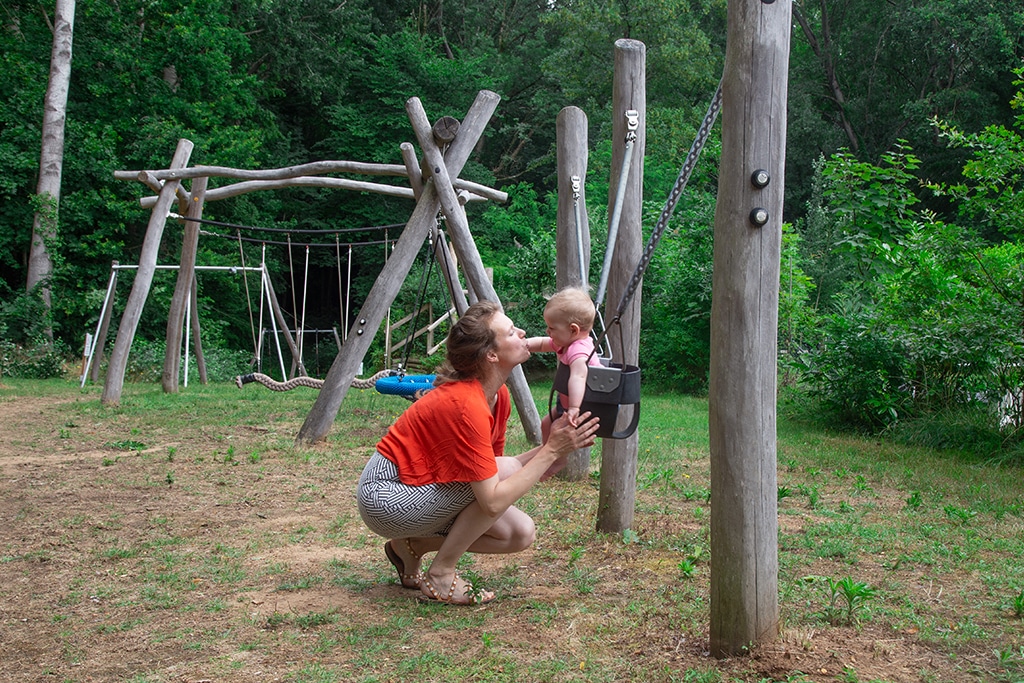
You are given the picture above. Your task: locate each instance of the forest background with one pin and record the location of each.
(902, 290)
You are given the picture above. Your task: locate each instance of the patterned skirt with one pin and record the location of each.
(395, 510)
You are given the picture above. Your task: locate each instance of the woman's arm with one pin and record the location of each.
(495, 495)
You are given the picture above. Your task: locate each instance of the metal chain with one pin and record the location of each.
(670, 203)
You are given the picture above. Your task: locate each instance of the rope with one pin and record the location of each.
(291, 278)
(256, 240)
(302, 324)
(248, 297)
(341, 296)
(311, 382)
(254, 228)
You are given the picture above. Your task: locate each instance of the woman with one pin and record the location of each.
(437, 482)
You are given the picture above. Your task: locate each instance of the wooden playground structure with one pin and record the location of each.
(747, 237)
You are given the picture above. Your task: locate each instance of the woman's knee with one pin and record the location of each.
(522, 532)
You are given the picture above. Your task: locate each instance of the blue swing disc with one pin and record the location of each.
(406, 385)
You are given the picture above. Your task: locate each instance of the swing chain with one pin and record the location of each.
(670, 204)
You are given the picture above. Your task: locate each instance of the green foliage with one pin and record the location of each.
(923, 320)
(991, 194)
(846, 599)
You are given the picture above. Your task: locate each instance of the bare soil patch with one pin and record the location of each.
(191, 560)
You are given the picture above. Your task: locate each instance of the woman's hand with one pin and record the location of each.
(565, 437)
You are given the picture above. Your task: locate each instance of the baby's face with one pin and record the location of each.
(562, 334)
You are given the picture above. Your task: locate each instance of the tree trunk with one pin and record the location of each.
(51, 157)
(617, 499)
(744, 325)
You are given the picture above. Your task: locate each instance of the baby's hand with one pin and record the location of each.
(573, 415)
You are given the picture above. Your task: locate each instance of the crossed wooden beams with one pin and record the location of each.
(437, 193)
(436, 187)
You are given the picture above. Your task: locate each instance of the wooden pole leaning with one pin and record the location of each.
(183, 286)
(571, 160)
(744, 327)
(617, 497)
(114, 383)
(448, 268)
(339, 378)
(469, 255)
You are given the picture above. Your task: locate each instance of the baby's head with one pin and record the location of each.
(571, 306)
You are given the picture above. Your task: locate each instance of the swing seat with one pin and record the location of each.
(610, 387)
(410, 386)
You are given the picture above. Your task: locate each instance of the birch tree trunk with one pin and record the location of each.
(51, 157)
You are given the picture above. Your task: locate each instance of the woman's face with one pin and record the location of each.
(509, 341)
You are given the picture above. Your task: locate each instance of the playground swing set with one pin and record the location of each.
(612, 388)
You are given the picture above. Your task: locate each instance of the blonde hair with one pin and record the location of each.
(572, 305)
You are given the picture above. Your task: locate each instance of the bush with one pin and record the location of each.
(41, 359)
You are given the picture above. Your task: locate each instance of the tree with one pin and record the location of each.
(866, 74)
(51, 158)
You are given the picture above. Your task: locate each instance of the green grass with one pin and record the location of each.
(218, 541)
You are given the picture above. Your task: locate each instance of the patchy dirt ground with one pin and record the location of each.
(136, 553)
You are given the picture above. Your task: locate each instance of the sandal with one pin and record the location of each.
(407, 580)
(447, 599)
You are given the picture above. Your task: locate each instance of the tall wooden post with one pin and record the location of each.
(744, 322)
(143, 280)
(183, 285)
(617, 499)
(572, 240)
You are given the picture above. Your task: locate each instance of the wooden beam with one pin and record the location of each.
(114, 383)
(617, 498)
(382, 294)
(744, 328)
(469, 255)
(572, 240)
(182, 287)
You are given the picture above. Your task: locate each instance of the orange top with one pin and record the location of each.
(448, 435)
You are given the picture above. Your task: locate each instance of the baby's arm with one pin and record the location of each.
(577, 385)
(539, 344)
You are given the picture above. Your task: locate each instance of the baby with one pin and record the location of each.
(569, 316)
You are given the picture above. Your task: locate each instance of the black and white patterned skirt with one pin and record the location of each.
(395, 510)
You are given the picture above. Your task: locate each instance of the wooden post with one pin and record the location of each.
(382, 294)
(143, 280)
(469, 255)
(744, 325)
(617, 498)
(571, 240)
(183, 285)
(449, 269)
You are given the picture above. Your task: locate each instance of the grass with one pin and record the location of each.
(236, 554)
